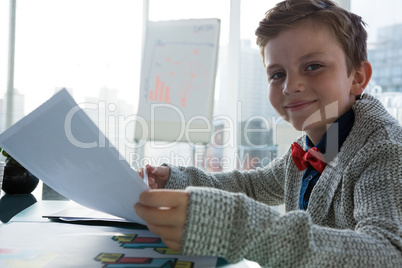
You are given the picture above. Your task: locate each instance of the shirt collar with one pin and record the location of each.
(337, 134)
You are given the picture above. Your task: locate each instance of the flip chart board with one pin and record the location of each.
(178, 80)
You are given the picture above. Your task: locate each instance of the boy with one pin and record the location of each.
(343, 197)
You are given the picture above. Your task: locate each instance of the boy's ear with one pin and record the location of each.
(361, 79)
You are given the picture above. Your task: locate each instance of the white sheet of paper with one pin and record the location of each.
(63, 147)
(76, 212)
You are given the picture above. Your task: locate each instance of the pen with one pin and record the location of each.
(146, 177)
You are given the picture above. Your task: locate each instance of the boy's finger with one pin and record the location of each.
(150, 169)
(139, 172)
(151, 180)
(153, 186)
(164, 198)
(158, 171)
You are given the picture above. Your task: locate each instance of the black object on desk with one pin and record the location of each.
(17, 179)
(11, 205)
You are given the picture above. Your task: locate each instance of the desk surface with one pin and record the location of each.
(29, 240)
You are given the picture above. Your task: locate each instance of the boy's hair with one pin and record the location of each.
(348, 28)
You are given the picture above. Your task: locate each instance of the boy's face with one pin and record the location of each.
(308, 82)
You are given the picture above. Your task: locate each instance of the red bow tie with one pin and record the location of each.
(302, 159)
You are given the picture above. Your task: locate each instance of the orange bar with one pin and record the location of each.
(157, 87)
(167, 98)
(161, 95)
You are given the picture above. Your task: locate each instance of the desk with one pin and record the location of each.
(28, 240)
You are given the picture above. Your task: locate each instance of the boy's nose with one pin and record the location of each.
(293, 85)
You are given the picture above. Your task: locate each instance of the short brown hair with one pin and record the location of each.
(348, 28)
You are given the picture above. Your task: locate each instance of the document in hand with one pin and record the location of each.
(63, 147)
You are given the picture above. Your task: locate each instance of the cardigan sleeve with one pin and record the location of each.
(263, 184)
(234, 226)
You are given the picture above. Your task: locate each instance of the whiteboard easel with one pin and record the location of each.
(178, 80)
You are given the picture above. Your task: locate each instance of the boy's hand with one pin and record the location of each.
(165, 212)
(157, 176)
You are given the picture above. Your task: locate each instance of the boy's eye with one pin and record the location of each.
(313, 67)
(278, 75)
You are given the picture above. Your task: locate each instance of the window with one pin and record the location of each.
(184, 153)
(4, 23)
(92, 48)
(255, 136)
(384, 39)
(258, 120)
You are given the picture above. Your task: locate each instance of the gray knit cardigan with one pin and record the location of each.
(354, 217)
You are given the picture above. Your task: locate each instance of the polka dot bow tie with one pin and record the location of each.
(312, 157)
